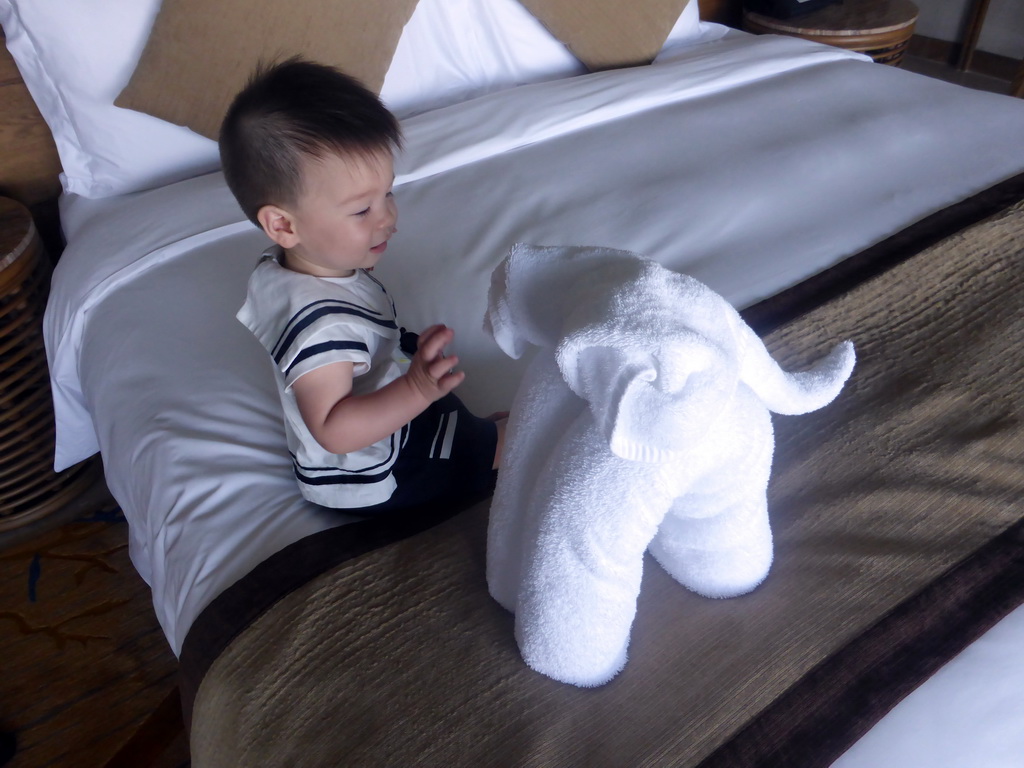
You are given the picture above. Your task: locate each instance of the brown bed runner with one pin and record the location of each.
(896, 513)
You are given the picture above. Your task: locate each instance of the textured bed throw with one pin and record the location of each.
(642, 423)
(896, 520)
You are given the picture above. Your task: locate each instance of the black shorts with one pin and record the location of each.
(446, 459)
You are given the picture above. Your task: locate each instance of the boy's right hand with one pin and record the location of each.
(431, 373)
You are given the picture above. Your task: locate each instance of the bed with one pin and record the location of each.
(825, 196)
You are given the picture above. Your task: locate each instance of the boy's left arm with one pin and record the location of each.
(342, 422)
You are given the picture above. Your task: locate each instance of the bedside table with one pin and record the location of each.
(879, 28)
(29, 488)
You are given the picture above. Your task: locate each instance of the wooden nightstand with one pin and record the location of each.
(29, 488)
(879, 28)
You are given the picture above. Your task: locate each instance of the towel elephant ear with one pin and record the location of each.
(655, 404)
(500, 321)
(524, 307)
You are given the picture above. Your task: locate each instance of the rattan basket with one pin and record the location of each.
(29, 488)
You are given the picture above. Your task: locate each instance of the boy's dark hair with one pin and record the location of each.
(291, 111)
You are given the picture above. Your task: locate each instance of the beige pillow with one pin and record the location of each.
(201, 52)
(609, 33)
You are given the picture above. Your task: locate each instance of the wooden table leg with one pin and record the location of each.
(976, 21)
(1017, 89)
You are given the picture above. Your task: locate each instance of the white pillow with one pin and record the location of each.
(687, 29)
(454, 50)
(75, 57)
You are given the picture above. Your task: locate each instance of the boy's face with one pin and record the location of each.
(343, 218)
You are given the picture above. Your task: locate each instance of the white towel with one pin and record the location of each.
(641, 423)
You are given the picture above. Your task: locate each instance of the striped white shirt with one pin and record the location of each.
(306, 322)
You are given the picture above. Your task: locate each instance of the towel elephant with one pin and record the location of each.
(642, 423)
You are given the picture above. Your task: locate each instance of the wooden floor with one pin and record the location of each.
(942, 71)
(89, 679)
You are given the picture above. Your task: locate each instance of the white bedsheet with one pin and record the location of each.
(749, 163)
(969, 714)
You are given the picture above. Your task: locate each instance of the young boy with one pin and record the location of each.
(308, 153)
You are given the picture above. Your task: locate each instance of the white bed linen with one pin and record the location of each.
(969, 714)
(748, 163)
(646, 118)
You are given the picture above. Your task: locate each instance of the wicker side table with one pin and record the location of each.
(879, 28)
(29, 488)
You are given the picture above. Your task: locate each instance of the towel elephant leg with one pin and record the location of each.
(543, 407)
(716, 539)
(598, 513)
